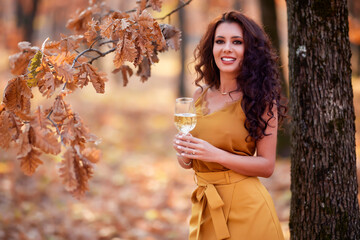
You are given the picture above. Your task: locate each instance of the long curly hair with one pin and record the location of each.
(259, 77)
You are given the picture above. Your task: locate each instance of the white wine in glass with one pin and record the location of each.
(185, 115)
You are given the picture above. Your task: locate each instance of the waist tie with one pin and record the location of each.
(206, 192)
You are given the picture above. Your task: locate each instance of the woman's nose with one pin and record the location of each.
(227, 47)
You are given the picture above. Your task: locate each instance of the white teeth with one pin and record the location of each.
(228, 59)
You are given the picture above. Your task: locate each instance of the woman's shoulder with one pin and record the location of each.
(199, 91)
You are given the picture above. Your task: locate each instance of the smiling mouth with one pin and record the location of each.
(228, 59)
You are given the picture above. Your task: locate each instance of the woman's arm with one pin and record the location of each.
(261, 165)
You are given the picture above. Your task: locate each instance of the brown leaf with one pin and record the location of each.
(30, 162)
(83, 172)
(40, 119)
(92, 154)
(126, 51)
(20, 61)
(144, 69)
(48, 83)
(5, 126)
(52, 47)
(61, 110)
(156, 4)
(125, 70)
(16, 123)
(107, 27)
(145, 19)
(142, 5)
(46, 141)
(66, 170)
(79, 23)
(17, 95)
(24, 144)
(97, 79)
(75, 132)
(159, 38)
(92, 32)
(2, 107)
(70, 43)
(172, 36)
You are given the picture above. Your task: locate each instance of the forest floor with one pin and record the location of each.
(138, 191)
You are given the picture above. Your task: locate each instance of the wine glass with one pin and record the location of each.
(185, 115)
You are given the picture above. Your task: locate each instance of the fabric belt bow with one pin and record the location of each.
(206, 192)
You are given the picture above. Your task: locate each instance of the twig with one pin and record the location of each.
(109, 41)
(135, 9)
(102, 54)
(97, 39)
(175, 10)
(56, 127)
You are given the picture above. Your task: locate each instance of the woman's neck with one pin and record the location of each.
(227, 83)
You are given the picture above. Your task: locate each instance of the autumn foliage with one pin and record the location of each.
(58, 68)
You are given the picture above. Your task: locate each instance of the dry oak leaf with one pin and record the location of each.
(92, 154)
(5, 129)
(145, 20)
(62, 65)
(126, 51)
(159, 37)
(92, 32)
(155, 4)
(24, 144)
(125, 71)
(83, 172)
(48, 83)
(172, 36)
(142, 5)
(30, 162)
(52, 47)
(67, 172)
(20, 61)
(40, 119)
(60, 109)
(70, 43)
(97, 79)
(144, 70)
(45, 140)
(17, 95)
(107, 28)
(75, 132)
(81, 19)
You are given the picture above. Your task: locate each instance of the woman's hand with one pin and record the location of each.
(194, 148)
(183, 161)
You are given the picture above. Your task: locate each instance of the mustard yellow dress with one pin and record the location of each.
(228, 205)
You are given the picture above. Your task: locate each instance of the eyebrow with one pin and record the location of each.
(231, 37)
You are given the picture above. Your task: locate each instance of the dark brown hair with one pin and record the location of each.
(259, 77)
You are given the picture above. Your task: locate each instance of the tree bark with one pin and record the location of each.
(324, 201)
(181, 82)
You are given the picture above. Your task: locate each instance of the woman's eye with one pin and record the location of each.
(238, 42)
(219, 41)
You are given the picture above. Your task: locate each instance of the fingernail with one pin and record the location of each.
(179, 147)
(177, 141)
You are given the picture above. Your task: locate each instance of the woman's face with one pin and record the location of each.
(229, 48)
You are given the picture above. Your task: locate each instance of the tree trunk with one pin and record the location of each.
(25, 16)
(324, 201)
(236, 5)
(181, 83)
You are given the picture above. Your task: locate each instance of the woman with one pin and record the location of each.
(238, 111)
